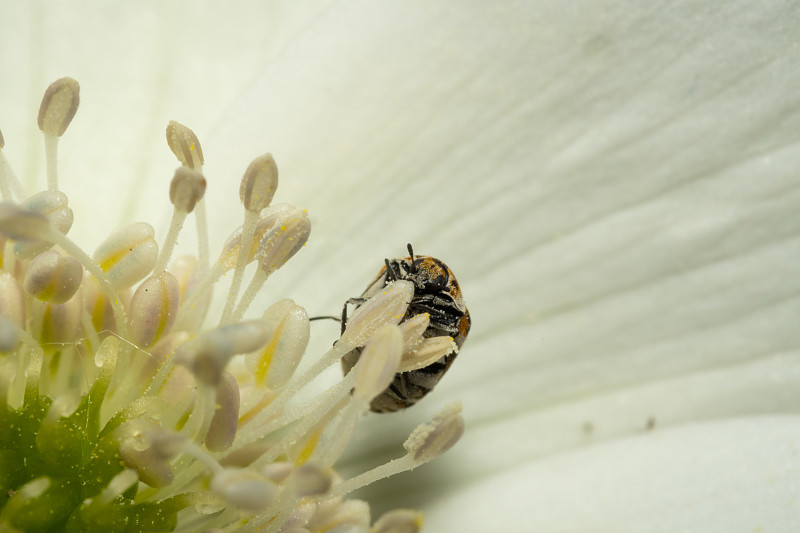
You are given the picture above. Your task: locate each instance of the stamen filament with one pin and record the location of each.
(9, 183)
(248, 230)
(201, 221)
(51, 156)
(175, 227)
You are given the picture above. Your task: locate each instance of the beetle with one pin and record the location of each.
(436, 292)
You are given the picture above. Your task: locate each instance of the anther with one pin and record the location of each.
(54, 205)
(59, 105)
(185, 145)
(349, 515)
(53, 277)
(427, 352)
(186, 189)
(432, 439)
(20, 224)
(208, 355)
(128, 254)
(284, 240)
(378, 364)
(311, 479)
(154, 308)
(225, 421)
(278, 245)
(399, 521)
(244, 489)
(276, 363)
(413, 329)
(387, 307)
(259, 183)
(9, 335)
(138, 452)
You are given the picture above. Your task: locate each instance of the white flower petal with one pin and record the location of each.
(734, 475)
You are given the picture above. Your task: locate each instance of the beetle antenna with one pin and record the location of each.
(413, 268)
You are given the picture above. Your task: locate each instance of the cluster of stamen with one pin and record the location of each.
(122, 410)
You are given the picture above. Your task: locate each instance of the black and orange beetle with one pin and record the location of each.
(437, 293)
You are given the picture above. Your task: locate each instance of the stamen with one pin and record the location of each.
(186, 189)
(128, 255)
(184, 144)
(195, 307)
(349, 515)
(208, 355)
(284, 239)
(138, 453)
(259, 183)
(225, 422)
(9, 335)
(399, 521)
(9, 184)
(12, 300)
(53, 277)
(108, 433)
(21, 224)
(413, 329)
(430, 440)
(311, 479)
(257, 188)
(276, 363)
(59, 105)
(378, 364)
(428, 352)
(387, 307)
(426, 442)
(244, 489)
(154, 308)
(54, 206)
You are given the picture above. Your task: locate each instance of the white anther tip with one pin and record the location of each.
(59, 105)
(433, 438)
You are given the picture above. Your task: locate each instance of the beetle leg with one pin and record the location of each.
(354, 301)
